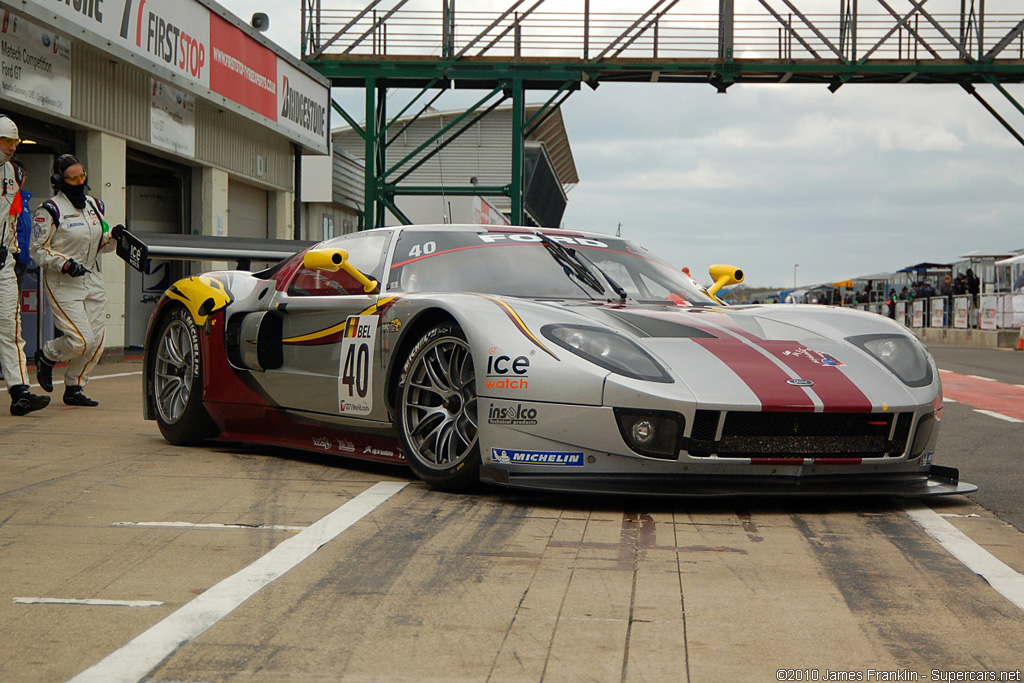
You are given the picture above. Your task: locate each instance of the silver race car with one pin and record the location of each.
(544, 359)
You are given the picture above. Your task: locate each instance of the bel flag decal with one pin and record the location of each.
(511, 456)
(355, 390)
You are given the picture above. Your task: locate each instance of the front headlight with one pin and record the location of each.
(902, 355)
(610, 350)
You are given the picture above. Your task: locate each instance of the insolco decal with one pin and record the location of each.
(168, 32)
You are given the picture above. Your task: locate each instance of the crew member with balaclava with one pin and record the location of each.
(12, 345)
(68, 235)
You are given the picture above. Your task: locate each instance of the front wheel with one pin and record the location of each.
(437, 411)
(177, 382)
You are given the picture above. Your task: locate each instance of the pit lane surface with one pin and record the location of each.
(107, 533)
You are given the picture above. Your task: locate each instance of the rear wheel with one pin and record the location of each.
(437, 410)
(177, 381)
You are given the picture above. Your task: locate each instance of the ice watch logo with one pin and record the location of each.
(505, 372)
(164, 40)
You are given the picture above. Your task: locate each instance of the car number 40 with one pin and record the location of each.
(425, 249)
(355, 388)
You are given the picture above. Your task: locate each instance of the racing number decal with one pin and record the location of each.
(426, 249)
(355, 389)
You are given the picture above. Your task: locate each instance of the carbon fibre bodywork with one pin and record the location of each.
(574, 387)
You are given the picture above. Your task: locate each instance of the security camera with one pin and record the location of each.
(260, 21)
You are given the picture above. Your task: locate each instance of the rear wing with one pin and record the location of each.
(138, 248)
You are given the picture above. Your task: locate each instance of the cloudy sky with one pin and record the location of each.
(778, 179)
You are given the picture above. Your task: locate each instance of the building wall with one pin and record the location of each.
(115, 97)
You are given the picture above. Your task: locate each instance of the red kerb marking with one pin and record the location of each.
(999, 397)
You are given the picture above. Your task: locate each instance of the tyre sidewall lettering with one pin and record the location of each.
(193, 336)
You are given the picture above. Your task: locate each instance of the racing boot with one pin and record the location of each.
(73, 396)
(44, 371)
(24, 401)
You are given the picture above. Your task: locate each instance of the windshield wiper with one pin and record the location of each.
(616, 287)
(568, 259)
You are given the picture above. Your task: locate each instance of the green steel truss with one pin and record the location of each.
(383, 44)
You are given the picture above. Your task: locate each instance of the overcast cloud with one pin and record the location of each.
(869, 179)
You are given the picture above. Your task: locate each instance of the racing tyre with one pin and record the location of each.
(176, 382)
(437, 410)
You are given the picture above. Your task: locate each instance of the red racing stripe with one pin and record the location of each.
(766, 379)
(837, 392)
(800, 461)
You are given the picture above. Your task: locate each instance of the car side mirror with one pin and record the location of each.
(724, 276)
(333, 260)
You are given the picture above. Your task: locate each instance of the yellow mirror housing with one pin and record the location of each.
(333, 260)
(724, 276)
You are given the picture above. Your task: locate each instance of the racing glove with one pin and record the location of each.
(74, 268)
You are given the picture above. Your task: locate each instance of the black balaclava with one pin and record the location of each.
(74, 193)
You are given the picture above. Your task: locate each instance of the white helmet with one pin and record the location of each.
(8, 129)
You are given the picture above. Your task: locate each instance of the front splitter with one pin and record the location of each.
(938, 481)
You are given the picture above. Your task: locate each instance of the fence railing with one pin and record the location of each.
(981, 311)
(665, 35)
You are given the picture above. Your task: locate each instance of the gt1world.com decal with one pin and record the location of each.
(511, 456)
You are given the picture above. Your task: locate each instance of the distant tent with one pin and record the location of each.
(924, 267)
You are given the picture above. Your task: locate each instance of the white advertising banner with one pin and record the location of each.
(301, 105)
(901, 312)
(988, 312)
(35, 64)
(184, 43)
(937, 308)
(961, 306)
(172, 119)
(917, 317)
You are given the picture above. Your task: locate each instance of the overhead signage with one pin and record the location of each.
(241, 69)
(187, 45)
(35, 65)
(302, 106)
(172, 118)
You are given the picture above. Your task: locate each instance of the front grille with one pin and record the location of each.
(800, 435)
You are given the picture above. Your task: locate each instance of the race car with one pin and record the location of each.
(548, 359)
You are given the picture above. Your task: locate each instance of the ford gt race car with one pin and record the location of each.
(544, 359)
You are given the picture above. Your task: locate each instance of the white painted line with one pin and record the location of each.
(948, 400)
(997, 415)
(86, 601)
(190, 525)
(135, 660)
(1000, 576)
(60, 381)
(987, 379)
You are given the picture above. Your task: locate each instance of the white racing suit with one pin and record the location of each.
(61, 232)
(12, 345)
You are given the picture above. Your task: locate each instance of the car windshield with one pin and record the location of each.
(516, 263)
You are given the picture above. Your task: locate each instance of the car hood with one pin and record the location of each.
(791, 357)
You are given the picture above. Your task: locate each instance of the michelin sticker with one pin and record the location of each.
(355, 390)
(511, 456)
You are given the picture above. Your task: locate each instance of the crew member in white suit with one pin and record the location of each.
(68, 235)
(12, 345)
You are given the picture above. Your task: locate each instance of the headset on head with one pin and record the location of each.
(57, 176)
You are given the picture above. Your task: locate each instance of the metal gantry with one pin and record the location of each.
(539, 45)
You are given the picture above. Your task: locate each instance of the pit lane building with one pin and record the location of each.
(188, 121)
